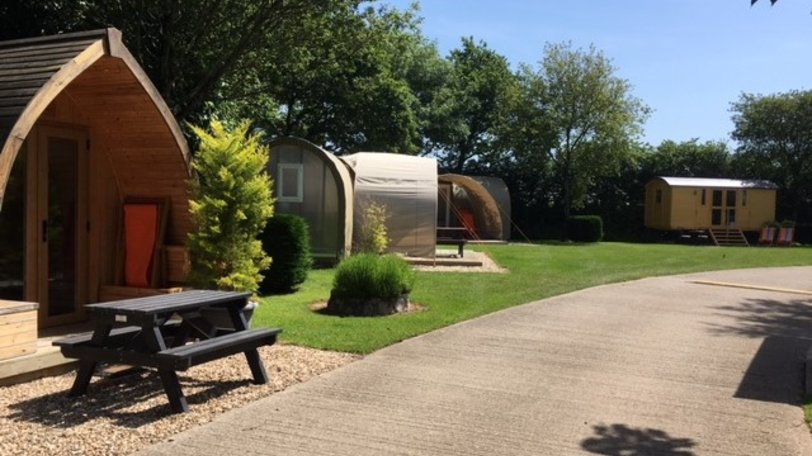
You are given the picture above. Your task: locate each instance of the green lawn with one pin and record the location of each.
(536, 271)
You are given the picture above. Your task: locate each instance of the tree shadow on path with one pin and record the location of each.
(776, 373)
(621, 440)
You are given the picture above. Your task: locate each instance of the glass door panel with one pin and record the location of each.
(730, 207)
(59, 228)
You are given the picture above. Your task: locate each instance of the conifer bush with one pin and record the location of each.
(286, 239)
(230, 205)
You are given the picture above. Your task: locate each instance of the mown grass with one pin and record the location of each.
(808, 411)
(536, 272)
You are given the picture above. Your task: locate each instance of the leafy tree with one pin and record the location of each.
(230, 205)
(348, 79)
(186, 47)
(466, 111)
(589, 119)
(687, 159)
(775, 142)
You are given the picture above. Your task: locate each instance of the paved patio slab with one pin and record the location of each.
(659, 366)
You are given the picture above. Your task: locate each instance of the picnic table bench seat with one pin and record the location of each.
(185, 356)
(178, 358)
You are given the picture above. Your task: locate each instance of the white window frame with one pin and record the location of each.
(299, 197)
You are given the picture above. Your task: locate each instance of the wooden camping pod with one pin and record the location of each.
(87, 85)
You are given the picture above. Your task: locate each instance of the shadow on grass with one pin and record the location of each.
(117, 399)
(621, 440)
(776, 373)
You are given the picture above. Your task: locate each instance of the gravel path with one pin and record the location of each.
(122, 415)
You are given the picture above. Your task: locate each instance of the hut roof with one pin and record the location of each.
(716, 183)
(33, 71)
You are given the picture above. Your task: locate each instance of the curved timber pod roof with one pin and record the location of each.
(483, 206)
(90, 80)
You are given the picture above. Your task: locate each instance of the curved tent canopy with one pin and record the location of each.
(314, 184)
(500, 193)
(470, 195)
(407, 186)
(81, 99)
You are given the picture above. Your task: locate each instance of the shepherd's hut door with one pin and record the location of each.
(58, 171)
(723, 212)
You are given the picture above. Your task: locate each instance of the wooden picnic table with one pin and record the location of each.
(169, 333)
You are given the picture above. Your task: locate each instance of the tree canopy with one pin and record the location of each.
(465, 111)
(588, 118)
(775, 142)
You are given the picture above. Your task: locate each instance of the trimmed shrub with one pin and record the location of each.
(286, 240)
(370, 276)
(585, 228)
(230, 204)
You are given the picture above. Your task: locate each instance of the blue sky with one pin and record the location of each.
(686, 59)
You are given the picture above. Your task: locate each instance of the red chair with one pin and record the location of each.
(767, 236)
(785, 236)
(469, 223)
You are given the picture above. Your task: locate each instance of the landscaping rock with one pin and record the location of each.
(367, 307)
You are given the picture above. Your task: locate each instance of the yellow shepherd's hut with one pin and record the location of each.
(82, 132)
(689, 203)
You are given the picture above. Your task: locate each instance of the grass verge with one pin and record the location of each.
(536, 272)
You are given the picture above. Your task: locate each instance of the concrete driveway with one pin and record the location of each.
(659, 366)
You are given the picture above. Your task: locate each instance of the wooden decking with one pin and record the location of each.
(46, 361)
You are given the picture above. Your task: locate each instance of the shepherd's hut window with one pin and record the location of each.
(744, 198)
(703, 196)
(289, 182)
(658, 196)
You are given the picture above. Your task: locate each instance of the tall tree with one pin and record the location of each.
(466, 111)
(349, 80)
(186, 47)
(590, 116)
(775, 142)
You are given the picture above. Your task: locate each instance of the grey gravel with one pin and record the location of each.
(122, 415)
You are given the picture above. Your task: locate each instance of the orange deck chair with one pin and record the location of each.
(785, 236)
(767, 236)
(469, 223)
(141, 241)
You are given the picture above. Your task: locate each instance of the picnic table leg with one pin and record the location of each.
(177, 400)
(155, 342)
(87, 367)
(252, 355)
(460, 250)
(257, 369)
(83, 377)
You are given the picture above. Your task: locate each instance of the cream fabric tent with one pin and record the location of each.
(315, 185)
(407, 186)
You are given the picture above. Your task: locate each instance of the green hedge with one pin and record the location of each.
(370, 276)
(286, 240)
(585, 228)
